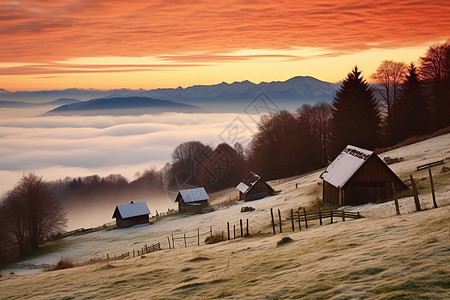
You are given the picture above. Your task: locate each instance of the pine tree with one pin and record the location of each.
(355, 115)
(410, 113)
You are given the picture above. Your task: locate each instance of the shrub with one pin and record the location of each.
(215, 238)
(285, 240)
(64, 263)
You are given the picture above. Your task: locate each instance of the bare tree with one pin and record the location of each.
(187, 158)
(32, 212)
(13, 214)
(272, 147)
(316, 119)
(435, 71)
(389, 76)
(5, 240)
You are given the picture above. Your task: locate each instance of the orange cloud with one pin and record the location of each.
(55, 30)
(61, 68)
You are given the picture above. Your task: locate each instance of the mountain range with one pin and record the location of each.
(222, 97)
(123, 106)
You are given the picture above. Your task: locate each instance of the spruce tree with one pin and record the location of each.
(410, 113)
(355, 115)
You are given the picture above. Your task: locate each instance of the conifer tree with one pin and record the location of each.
(355, 115)
(410, 113)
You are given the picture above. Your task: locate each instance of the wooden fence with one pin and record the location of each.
(300, 216)
(231, 231)
(126, 255)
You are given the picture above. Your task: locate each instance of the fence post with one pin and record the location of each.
(397, 208)
(320, 217)
(185, 244)
(210, 230)
(198, 236)
(234, 232)
(247, 228)
(279, 219)
(242, 230)
(331, 216)
(273, 222)
(306, 220)
(416, 196)
(432, 188)
(343, 216)
(173, 242)
(298, 219)
(228, 230)
(292, 219)
(168, 240)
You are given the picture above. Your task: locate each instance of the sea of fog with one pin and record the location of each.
(59, 146)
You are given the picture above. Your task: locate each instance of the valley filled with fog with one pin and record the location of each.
(57, 147)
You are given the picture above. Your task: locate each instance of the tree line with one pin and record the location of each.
(406, 100)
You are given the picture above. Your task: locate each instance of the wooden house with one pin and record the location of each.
(253, 187)
(358, 176)
(192, 200)
(131, 214)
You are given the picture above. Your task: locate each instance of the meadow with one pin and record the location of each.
(380, 256)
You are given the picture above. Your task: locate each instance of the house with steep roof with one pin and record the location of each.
(130, 214)
(253, 187)
(192, 200)
(358, 176)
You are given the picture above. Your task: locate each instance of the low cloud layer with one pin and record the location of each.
(56, 147)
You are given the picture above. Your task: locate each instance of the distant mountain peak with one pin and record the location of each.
(224, 97)
(123, 106)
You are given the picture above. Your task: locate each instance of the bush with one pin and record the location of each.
(64, 263)
(285, 240)
(213, 239)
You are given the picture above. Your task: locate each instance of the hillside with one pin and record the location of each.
(122, 106)
(381, 256)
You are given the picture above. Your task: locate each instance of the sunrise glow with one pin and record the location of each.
(151, 44)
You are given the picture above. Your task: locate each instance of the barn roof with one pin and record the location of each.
(132, 209)
(245, 185)
(345, 165)
(193, 195)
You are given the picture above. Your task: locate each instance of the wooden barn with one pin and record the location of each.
(192, 200)
(358, 176)
(254, 187)
(131, 214)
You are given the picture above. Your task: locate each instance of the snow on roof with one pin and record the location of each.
(194, 195)
(248, 182)
(242, 187)
(133, 209)
(345, 165)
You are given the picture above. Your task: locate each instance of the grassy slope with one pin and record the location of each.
(382, 256)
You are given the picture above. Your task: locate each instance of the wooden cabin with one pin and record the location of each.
(253, 187)
(131, 214)
(358, 176)
(192, 200)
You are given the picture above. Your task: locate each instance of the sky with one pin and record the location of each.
(103, 44)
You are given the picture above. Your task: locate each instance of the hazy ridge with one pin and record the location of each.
(223, 97)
